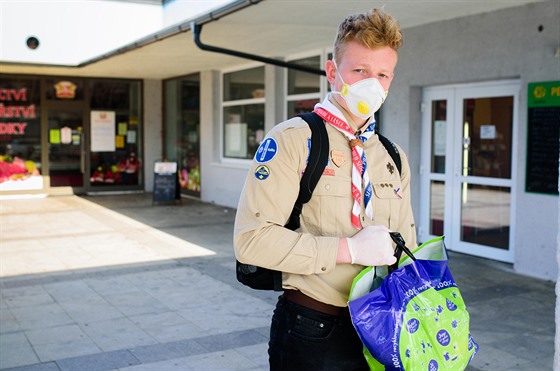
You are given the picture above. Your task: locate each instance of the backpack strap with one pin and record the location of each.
(318, 157)
(393, 151)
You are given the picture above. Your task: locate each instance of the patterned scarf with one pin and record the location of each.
(331, 114)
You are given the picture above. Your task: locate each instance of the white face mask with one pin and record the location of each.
(364, 97)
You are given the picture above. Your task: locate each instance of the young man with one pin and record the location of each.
(345, 226)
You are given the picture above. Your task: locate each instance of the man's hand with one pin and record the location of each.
(372, 246)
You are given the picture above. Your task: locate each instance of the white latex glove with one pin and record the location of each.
(372, 246)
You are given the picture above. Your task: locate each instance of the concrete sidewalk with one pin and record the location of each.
(117, 283)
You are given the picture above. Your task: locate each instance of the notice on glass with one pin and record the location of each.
(131, 137)
(103, 131)
(236, 140)
(123, 127)
(487, 131)
(66, 135)
(119, 141)
(54, 136)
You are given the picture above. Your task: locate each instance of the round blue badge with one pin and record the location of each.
(267, 151)
(262, 172)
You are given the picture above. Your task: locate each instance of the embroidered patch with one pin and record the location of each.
(267, 151)
(262, 172)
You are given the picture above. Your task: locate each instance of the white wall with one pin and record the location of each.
(499, 45)
(71, 32)
(221, 183)
(152, 129)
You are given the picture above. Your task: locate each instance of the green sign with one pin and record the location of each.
(543, 122)
(544, 94)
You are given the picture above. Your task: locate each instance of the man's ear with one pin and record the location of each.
(330, 69)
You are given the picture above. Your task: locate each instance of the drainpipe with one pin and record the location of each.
(196, 28)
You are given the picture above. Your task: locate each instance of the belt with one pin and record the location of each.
(299, 298)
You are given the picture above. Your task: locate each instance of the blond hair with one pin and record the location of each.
(373, 29)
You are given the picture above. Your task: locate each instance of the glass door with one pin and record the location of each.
(467, 167)
(182, 130)
(66, 147)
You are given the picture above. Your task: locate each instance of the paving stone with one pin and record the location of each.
(129, 286)
(15, 350)
(101, 361)
(55, 343)
(167, 326)
(47, 366)
(167, 351)
(117, 334)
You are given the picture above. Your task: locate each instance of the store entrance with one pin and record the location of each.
(468, 167)
(66, 147)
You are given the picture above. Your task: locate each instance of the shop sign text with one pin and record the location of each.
(12, 105)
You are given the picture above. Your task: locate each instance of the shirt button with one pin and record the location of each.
(324, 269)
(327, 187)
(258, 215)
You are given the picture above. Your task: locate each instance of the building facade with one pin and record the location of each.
(474, 104)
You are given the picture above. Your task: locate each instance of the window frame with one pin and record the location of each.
(235, 103)
(323, 82)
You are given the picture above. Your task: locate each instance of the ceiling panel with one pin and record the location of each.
(270, 28)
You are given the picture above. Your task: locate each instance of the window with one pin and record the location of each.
(243, 112)
(119, 102)
(303, 88)
(182, 130)
(20, 129)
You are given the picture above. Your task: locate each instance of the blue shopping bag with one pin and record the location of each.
(415, 320)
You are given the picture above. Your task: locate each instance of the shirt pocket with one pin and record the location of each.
(330, 207)
(387, 198)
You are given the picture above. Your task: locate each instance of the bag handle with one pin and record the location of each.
(401, 246)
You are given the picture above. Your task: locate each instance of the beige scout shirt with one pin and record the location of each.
(308, 256)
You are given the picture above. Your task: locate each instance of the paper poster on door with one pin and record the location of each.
(487, 131)
(103, 131)
(54, 136)
(131, 137)
(119, 141)
(66, 135)
(123, 127)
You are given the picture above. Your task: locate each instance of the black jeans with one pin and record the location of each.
(304, 339)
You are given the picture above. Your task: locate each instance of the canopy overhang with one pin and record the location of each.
(270, 28)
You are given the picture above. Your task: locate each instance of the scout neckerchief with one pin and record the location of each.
(331, 114)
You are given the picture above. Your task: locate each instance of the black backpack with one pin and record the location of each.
(259, 278)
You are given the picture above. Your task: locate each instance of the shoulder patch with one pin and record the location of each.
(262, 172)
(267, 150)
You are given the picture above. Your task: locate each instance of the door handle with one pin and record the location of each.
(82, 154)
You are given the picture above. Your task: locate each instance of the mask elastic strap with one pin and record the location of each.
(339, 75)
